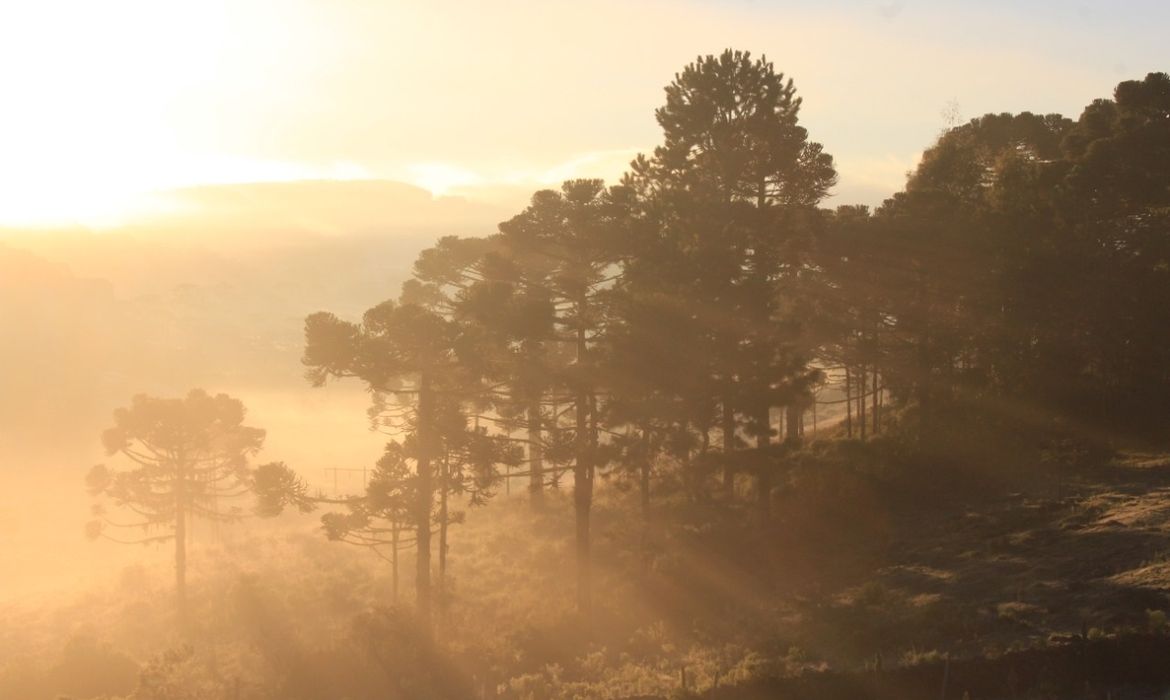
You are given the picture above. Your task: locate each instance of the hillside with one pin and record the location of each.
(969, 578)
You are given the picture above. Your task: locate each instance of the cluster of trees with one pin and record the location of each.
(687, 318)
(1020, 278)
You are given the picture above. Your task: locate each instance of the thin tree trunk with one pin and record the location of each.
(793, 418)
(728, 449)
(181, 553)
(861, 400)
(583, 482)
(181, 495)
(765, 467)
(443, 518)
(535, 456)
(876, 419)
(848, 403)
(814, 416)
(582, 503)
(425, 479)
(644, 475)
(644, 491)
(923, 390)
(394, 560)
(696, 474)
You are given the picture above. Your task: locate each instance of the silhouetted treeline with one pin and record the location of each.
(686, 320)
(1020, 279)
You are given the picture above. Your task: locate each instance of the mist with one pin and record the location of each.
(767, 405)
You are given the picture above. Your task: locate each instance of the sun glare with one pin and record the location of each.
(94, 119)
(441, 178)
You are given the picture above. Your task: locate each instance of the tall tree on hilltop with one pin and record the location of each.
(735, 185)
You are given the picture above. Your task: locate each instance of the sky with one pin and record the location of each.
(101, 102)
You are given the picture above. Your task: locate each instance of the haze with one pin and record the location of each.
(569, 350)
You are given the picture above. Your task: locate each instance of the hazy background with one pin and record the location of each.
(214, 298)
(181, 183)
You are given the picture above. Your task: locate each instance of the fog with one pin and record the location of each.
(704, 430)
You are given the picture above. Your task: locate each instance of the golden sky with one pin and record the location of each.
(103, 101)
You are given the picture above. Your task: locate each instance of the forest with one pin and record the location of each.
(695, 433)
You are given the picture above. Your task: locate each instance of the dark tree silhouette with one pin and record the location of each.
(732, 192)
(572, 236)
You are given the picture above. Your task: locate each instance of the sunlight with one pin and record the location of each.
(87, 130)
(440, 178)
(103, 116)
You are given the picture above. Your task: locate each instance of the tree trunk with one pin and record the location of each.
(728, 449)
(814, 416)
(861, 400)
(792, 434)
(644, 475)
(923, 390)
(181, 556)
(876, 389)
(394, 561)
(535, 456)
(764, 468)
(181, 540)
(424, 497)
(443, 518)
(583, 480)
(582, 503)
(698, 472)
(848, 404)
(644, 491)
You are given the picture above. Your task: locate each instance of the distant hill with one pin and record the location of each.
(188, 227)
(329, 207)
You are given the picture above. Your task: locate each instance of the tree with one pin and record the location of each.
(185, 455)
(733, 191)
(403, 352)
(573, 234)
(1115, 208)
(496, 296)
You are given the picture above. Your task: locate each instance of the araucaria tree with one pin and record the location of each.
(408, 355)
(573, 234)
(183, 457)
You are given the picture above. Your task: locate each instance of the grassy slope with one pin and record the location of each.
(845, 578)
